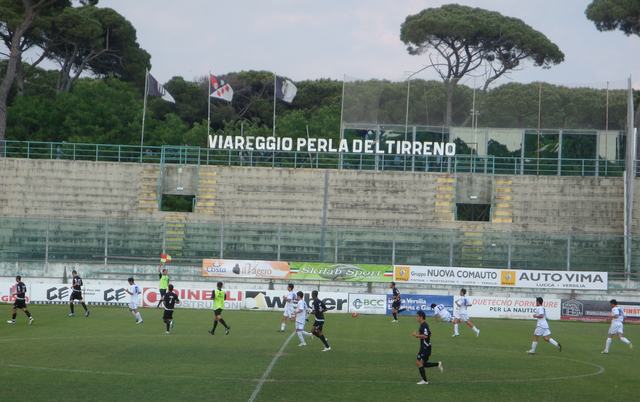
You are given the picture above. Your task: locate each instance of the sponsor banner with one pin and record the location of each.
(341, 272)
(274, 300)
(510, 307)
(413, 303)
(7, 289)
(367, 304)
(194, 297)
(245, 269)
(597, 310)
(458, 276)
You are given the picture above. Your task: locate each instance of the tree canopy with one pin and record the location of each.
(460, 40)
(609, 15)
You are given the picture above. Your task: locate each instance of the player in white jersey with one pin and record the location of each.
(441, 312)
(300, 315)
(542, 328)
(617, 326)
(290, 301)
(461, 315)
(135, 292)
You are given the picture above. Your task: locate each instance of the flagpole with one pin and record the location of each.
(209, 105)
(274, 104)
(144, 109)
(344, 77)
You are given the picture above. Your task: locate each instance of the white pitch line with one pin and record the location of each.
(266, 373)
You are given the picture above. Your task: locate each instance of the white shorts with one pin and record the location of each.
(299, 326)
(464, 317)
(446, 319)
(133, 305)
(288, 311)
(616, 328)
(539, 331)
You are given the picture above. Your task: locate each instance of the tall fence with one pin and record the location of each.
(130, 241)
(461, 163)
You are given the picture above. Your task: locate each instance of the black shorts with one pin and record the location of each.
(75, 296)
(424, 354)
(217, 311)
(19, 304)
(163, 292)
(317, 325)
(396, 304)
(168, 315)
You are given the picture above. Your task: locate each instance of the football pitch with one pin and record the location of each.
(107, 357)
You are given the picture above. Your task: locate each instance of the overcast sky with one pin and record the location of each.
(310, 39)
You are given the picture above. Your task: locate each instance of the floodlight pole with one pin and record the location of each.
(406, 116)
(344, 77)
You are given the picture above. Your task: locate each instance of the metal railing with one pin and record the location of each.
(124, 241)
(461, 163)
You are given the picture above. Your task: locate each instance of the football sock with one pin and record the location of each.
(395, 316)
(138, 317)
(13, 316)
(324, 340)
(607, 345)
(455, 329)
(422, 373)
(475, 329)
(71, 307)
(429, 364)
(534, 345)
(224, 323)
(625, 340)
(300, 337)
(554, 342)
(27, 313)
(215, 325)
(282, 326)
(168, 323)
(84, 306)
(401, 310)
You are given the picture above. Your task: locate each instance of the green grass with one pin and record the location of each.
(108, 358)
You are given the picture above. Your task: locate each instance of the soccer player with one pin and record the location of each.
(134, 291)
(542, 328)
(617, 327)
(290, 300)
(20, 302)
(163, 285)
(170, 299)
(395, 305)
(76, 294)
(441, 313)
(219, 296)
(300, 315)
(318, 309)
(424, 335)
(462, 315)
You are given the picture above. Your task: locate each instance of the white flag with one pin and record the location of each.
(220, 89)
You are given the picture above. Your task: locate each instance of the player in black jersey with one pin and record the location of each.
(21, 301)
(395, 305)
(424, 335)
(170, 300)
(318, 309)
(76, 294)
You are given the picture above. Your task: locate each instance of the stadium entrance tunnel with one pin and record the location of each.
(473, 212)
(177, 203)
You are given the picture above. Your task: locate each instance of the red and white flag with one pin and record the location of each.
(219, 89)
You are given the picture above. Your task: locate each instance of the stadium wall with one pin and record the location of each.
(554, 204)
